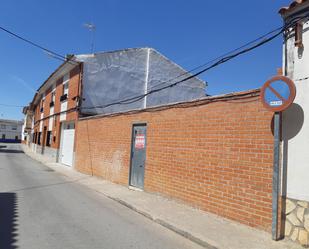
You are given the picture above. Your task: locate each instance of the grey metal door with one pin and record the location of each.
(138, 156)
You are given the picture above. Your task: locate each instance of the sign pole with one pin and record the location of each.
(276, 176)
(277, 94)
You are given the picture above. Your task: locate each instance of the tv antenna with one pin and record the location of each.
(91, 27)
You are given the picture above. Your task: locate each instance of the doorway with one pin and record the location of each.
(138, 156)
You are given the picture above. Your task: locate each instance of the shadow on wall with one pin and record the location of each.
(8, 221)
(292, 123)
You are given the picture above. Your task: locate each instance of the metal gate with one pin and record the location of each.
(138, 156)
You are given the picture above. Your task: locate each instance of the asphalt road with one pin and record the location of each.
(41, 209)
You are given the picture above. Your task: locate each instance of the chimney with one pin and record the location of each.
(279, 71)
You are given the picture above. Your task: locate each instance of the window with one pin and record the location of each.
(42, 106)
(63, 97)
(3, 126)
(66, 88)
(70, 126)
(39, 138)
(65, 91)
(49, 138)
(53, 98)
(14, 127)
(3, 136)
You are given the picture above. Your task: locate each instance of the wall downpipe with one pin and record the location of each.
(146, 77)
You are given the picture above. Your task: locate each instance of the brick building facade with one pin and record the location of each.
(55, 106)
(215, 154)
(85, 82)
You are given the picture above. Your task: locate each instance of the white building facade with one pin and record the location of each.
(295, 126)
(10, 130)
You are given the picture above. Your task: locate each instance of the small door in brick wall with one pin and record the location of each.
(138, 156)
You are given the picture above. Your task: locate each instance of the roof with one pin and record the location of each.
(81, 56)
(295, 4)
(11, 121)
(79, 59)
(68, 62)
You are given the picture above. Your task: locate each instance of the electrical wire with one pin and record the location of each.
(221, 61)
(302, 79)
(218, 62)
(48, 51)
(221, 56)
(6, 105)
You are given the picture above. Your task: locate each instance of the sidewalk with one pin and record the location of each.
(203, 228)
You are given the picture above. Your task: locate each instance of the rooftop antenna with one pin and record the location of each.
(91, 27)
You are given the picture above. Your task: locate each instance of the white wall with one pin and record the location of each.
(296, 121)
(6, 128)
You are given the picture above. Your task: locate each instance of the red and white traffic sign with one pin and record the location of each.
(278, 93)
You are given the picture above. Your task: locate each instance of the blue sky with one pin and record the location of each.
(188, 32)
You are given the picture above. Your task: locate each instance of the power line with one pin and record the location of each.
(211, 61)
(221, 61)
(6, 105)
(218, 62)
(302, 79)
(221, 56)
(48, 51)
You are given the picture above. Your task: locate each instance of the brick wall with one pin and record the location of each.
(215, 156)
(72, 100)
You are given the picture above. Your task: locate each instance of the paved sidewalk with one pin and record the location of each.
(203, 228)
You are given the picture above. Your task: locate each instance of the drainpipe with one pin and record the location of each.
(146, 77)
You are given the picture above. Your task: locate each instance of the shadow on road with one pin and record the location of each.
(3, 149)
(8, 220)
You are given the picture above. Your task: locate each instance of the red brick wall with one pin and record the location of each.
(215, 156)
(73, 93)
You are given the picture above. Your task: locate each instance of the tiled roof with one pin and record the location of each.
(292, 6)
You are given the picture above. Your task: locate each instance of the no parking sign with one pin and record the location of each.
(278, 93)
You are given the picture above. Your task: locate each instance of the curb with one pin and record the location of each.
(163, 223)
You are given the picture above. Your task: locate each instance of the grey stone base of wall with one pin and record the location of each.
(297, 221)
(47, 153)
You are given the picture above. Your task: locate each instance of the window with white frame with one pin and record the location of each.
(66, 79)
(66, 88)
(53, 96)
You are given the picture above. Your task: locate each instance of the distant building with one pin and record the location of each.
(27, 125)
(101, 83)
(10, 130)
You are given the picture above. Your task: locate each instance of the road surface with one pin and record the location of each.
(41, 209)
